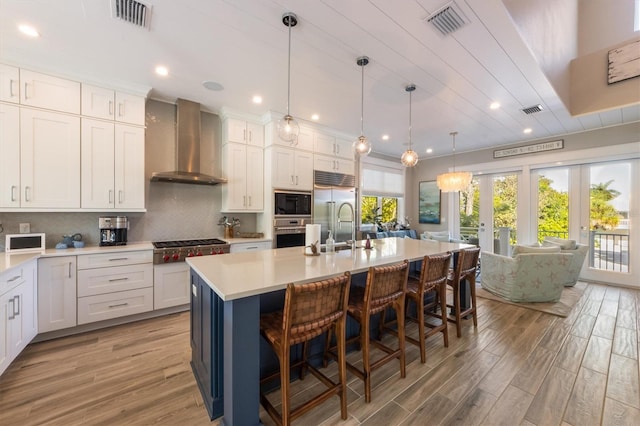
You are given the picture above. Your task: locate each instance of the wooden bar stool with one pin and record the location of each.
(465, 269)
(385, 287)
(433, 279)
(309, 310)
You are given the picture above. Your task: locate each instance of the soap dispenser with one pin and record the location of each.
(330, 244)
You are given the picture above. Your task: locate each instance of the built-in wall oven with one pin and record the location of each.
(290, 231)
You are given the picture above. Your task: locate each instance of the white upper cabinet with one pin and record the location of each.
(45, 91)
(9, 83)
(240, 131)
(328, 163)
(305, 139)
(329, 145)
(9, 156)
(243, 166)
(108, 104)
(292, 169)
(112, 165)
(50, 155)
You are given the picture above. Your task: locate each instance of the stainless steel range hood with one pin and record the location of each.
(187, 149)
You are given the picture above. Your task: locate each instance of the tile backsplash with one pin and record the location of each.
(174, 211)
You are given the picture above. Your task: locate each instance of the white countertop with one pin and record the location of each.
(238, 275)
(11, 259)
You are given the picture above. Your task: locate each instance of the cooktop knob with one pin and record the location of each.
(165, 258)
(198, 253)
(190, 254)
(175, 256)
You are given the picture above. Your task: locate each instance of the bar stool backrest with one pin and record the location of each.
(384, 285)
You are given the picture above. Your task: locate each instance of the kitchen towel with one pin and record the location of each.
(312, 235)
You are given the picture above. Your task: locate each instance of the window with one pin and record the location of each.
(636, 18)
(382, 199)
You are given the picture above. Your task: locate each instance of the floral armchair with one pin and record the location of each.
(526, 277)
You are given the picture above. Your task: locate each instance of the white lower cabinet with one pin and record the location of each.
(112, 285)
(56, 293)
(171, 285)
(240, 247)
(18, 311)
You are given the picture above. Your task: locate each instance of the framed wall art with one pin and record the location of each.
(429, 203)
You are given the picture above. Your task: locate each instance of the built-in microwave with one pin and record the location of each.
(289, 203)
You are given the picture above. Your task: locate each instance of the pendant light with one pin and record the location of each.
(454, 181)
(288, 128)
(362, 146)
(409, 157)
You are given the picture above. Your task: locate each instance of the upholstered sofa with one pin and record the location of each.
(579, 252)
(526, 277)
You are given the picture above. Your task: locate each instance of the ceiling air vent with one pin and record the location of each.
(131, 11)
(532, 109)
(447, 19)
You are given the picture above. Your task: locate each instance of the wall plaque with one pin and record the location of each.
(529, 149)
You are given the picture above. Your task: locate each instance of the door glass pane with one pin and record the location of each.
(609, 197)
(553, 203)
(505, 202)
(470, 212)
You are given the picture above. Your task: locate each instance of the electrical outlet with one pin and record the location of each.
(25, 228)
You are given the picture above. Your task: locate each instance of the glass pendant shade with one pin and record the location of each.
(288, 129)
(362, 146)
(454, 181)
(409, 158)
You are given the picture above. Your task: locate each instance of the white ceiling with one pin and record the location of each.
(242, 44)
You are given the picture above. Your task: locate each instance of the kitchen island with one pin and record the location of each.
(225, 311)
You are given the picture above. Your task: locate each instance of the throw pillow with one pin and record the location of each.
(518, 249)
(438, 235)
(561, 242)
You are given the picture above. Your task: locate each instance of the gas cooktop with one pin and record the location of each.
(188, 243)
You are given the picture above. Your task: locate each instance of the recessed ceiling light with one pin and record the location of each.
(315, 117)
(527, 130)
(28, 30)
(257, 99)
(213, 85)
(385, 137)
(429, 150)
(494, 105)
(162, 70)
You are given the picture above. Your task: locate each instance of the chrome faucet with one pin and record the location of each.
(352, 241)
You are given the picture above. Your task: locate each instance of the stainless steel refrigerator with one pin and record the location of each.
(334, 205)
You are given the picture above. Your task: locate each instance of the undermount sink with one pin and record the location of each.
(338, 247)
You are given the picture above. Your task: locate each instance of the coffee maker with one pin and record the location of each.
(113, 230)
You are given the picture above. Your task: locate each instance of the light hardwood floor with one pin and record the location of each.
(520, 367)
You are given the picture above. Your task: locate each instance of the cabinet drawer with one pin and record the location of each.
(114, 259)
(262, 245)
(11, 279)
(114, 305)
(108, 280)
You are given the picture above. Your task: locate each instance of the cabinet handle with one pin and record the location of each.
(112, 280)
(11, 82)
(110, 107)
(250, 136)
(13, 308)
(13, 192)
(118, 305)
(70, 264)
(251, 248)
(244, 201)
(16, 302)
(333, 164)
(25, 90)
(244, 135)
(27, 191)
(249, 201)
(120, 196)
(296, 180)
(13, 279)
(292, 180)
(120, 109)
(111, 196)
(337, 149)
(115, 259)
(337, 165)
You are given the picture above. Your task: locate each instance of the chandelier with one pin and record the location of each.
(454, 181)
(288, 128)
(409, 157)
(362, 146)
